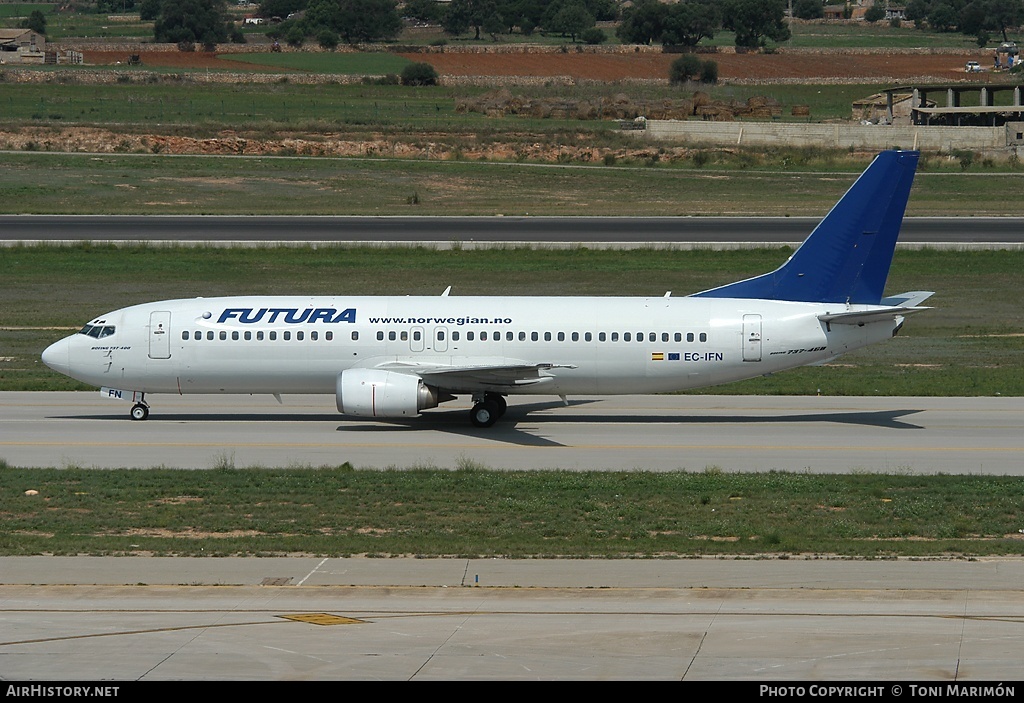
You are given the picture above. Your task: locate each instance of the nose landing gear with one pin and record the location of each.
(140, 411)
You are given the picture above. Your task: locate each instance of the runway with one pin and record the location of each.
(276, 619)
(611, 232)
(660, 433)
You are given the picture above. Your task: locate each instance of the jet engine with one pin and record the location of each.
(376, 393)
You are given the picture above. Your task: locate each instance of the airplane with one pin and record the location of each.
(396, 356)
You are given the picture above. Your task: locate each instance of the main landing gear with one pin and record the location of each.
(487, 409)
(140, 411)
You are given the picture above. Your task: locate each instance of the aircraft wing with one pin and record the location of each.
(488, 376)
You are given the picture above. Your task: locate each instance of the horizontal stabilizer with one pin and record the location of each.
(863, 317)
(910, 300)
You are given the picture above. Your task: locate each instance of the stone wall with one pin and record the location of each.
(830, 136)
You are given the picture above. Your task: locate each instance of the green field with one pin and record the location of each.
(786, 184)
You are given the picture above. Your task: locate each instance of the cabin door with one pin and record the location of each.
(160, 335)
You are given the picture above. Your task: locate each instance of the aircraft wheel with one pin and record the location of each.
(499, 403)
(484, 414)
(140, 411)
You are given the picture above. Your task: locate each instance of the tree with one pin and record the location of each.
(36, 21)
(354, 20)
(997, 16)
(280, 8)
(688, 68)
(808, 9)
(419, 74)
(327, 39)
(689, 21)
(942, 17)
(756, 21)
(149, 10)
(684, 69)
(424, 10)
(568, 17)
(874, 13)
(642, 23)
(203, 21)
(465, 14)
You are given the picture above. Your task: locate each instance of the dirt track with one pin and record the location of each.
(614, 67)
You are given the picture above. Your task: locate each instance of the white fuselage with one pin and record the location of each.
(263, 344)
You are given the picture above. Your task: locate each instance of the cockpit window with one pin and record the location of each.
(97, 331)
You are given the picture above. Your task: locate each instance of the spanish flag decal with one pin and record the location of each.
(657, 356)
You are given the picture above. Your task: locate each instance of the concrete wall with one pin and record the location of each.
(832, 136)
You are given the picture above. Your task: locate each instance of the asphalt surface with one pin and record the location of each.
(149, 619)
(659, 433)
(137, 619)
(443, 231)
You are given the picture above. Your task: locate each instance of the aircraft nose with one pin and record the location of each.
(57, 356)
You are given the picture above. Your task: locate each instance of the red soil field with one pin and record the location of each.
(613, 67)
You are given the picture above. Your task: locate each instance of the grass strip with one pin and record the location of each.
(468, 512)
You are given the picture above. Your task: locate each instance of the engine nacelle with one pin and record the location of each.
(376, 393)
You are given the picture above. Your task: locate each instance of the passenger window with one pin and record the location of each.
(615, 336)
(508, 336)
(380, 336)
(470, 336)
(575, 336)
(440, 335)
(664, 336)
(329, 336)
(547, 336)
(483, 336)
(534, 336)
(703, 336)
(209, 335)
(588, 337)
(689, 336)
(259, 336)
(417, 336)
(561, 336)
(404, 336)
(248, 335)
(392, 336)
(273, 336)
(234, 336)
(522, 336)
(455, 336)
(287, 336)
(678, 336)
(299, 336)
(314, 335)
(355, 336)
(601, 337)
(184, 335)
(627, 337)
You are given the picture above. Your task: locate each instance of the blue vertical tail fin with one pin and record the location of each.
(847, 256)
